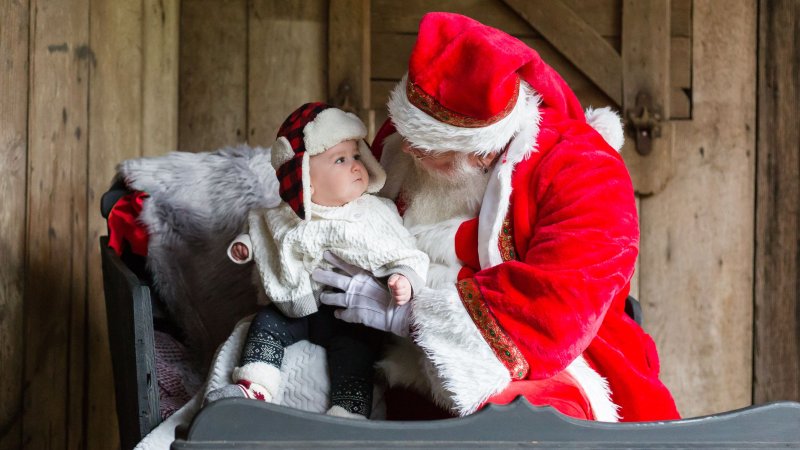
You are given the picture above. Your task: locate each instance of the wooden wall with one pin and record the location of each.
(86, 84)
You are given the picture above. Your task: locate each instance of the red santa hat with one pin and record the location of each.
(473, 88)
(310, 130)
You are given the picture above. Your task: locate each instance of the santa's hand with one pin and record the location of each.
(364, 299)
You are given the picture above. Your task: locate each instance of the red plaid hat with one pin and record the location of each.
(310, 130)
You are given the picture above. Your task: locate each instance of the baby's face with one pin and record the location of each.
(337, 176)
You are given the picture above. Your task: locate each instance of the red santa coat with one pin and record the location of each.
(568, 238)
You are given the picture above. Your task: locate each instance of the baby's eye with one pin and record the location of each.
(356, 157)
(339, 160)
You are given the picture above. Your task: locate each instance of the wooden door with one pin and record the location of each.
(695, 187)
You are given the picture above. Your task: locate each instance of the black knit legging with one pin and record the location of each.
(351, 351)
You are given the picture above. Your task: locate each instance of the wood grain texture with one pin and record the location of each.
(646, 69)
(696, 278)
(391, 16)
(288, 61)
(116, 119)
(398, 48)
(160, 21)
(577, 40)
(55, 293)
(213, 74)
(13, 153)
(349, 51)
(776, 362)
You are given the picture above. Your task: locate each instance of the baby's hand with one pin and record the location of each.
(239, 252)
(400, 288)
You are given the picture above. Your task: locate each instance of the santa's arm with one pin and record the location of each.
(581, 255)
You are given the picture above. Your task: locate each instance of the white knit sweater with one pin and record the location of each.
(367, 232)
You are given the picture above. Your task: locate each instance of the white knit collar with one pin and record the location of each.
(334, 212)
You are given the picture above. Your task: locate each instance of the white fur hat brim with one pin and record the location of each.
(427, 133)
(330, 127)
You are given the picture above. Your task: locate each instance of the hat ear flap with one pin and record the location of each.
(377, 176)
(282, 151)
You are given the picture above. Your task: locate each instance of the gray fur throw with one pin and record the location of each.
(198, 204)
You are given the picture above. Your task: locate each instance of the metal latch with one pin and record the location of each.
(646, 121)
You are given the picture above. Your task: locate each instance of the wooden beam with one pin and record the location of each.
(391, 16)
(349, 57)
(576, 40)
(776, 373)
(14, 23)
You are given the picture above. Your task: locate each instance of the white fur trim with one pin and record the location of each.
(377, 176)
(259, 372)
(498, 192)
(466, 368)
(306, 185)
(281, 152)
(330, 127)
(608, 123)
(438, 239)
(425, 132)
(596, 389)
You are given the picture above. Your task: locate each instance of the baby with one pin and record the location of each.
(326, 172)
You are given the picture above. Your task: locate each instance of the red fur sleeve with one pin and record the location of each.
(575, 256)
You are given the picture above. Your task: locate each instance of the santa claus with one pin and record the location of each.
(527, 212)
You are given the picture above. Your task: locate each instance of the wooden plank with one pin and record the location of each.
(645, 69)
(576, 40)
(680, 62)
(213, 74)
(697, 234)
(55, 288)
(680, 78)
(403, 17)
(680, 12)
(14, 144)
(288, 55)
(349, 57)
(160, 76)
(116, 114)
(680, 103)
(776, 372)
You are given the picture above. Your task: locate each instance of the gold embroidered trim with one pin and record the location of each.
(506, 240)
(503, 348)
(433, 108)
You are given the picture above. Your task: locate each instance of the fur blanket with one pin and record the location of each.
(198, 204)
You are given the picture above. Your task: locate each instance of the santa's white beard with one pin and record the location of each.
(438, 203)
(435, 196)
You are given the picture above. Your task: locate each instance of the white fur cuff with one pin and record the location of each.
(258, 372)
(468, 372)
